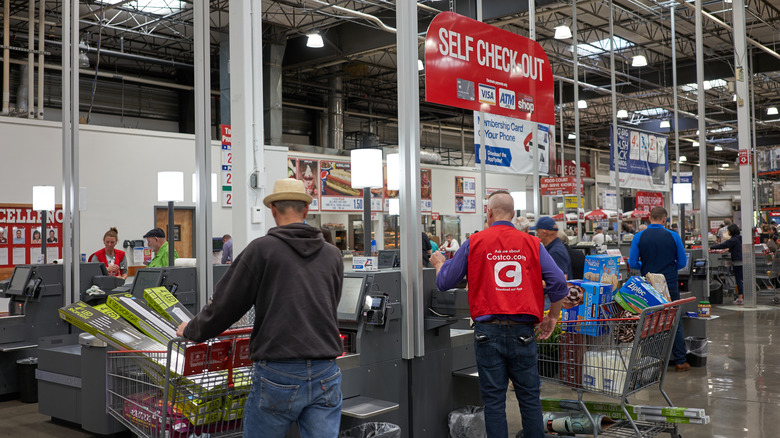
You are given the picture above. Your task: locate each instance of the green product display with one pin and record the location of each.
(164, 303)
(614, 411)
(143, 317)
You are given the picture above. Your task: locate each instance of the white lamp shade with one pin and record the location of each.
(43, 198)
(520, 199)
(170, 186)
(213, 188)
(366, 168)
(622, 114)
(393, 170)
(314, 40)
(638, 61)
(562, 32)
(682, 193)
(420, 65)
(394, 206)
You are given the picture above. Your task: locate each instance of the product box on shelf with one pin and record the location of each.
(603, 268)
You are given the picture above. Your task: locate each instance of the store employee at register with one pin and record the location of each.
(114, 259)
(506, 269)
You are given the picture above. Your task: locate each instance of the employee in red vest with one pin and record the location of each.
(114, 259)
(507, 272)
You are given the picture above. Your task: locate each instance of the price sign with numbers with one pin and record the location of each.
(227, 157)
(465, 185)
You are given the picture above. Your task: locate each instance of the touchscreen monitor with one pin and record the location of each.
(19, 280)
(144, 280)
(351, 294)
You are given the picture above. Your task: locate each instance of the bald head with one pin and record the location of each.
(501, 207)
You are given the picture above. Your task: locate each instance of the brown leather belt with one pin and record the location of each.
(506, 322)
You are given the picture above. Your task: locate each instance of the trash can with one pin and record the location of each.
(467, 422)
(697, 351)
(716, 292)
(372, 430)
(28, 385)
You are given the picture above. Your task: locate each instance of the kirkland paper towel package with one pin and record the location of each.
(638, 294)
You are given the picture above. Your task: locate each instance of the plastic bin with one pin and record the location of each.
(467, 422)
(28, 384)
(697, 351)
(372, 430)
(716, 292)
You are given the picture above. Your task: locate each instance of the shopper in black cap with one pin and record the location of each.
(156, 240)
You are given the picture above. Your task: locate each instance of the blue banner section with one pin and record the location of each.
(643, 158)
(496, 156)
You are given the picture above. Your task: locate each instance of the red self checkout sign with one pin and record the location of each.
(476, 66)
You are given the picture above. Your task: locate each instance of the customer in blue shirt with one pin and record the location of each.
(658, 250)
(227, 249)
(547, 232)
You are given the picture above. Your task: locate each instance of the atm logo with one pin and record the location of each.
(508, 274)
(487, 94)
(506, 99)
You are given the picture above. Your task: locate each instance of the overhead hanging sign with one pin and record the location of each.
(476, 66)
(643, 158)
(510, 144)
(562, 185)
(648, 200)
(570, 169)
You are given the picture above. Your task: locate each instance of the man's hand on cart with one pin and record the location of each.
(546, 327)
(180, 329)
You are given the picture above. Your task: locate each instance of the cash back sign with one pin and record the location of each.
(643, 158)
(476, 66)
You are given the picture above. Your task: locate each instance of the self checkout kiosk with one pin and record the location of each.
(181, 281)
(377, 383)
(35, 293)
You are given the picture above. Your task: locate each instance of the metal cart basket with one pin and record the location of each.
(615, 358)
(189, 390)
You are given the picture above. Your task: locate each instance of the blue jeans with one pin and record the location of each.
(678, 348)
(307, 392)
(502, 356)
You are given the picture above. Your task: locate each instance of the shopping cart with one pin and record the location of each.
(616, 358)
(189, 390)
(767, 272)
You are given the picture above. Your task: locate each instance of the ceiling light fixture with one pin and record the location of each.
(314, 40)
(724, 165)
(718, 148)
(562, 32)
(638, 61)
(771, 111)
(572, 136)
(665, 124)
(695, 143)
(581, 104)
(622, 114)
(683, 158)
(420, 65)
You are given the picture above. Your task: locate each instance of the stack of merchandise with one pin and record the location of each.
(207, 383)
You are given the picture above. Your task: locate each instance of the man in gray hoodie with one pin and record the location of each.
(293, 279)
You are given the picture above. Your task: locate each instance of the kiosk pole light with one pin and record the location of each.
(682, 193)
(43, 201)
(520, 199)
(170, 188)
(366, 166)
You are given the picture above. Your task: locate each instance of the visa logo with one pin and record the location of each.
(487, 94)
(506, 99)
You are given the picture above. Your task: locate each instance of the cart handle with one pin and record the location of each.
(635, 318)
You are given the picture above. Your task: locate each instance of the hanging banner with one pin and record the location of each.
(510, 144)
(479, 67)
(609, 199)
(563, 185)
(643, 157)
(570, 169)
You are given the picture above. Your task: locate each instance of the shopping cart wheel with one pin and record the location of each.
(776, 300)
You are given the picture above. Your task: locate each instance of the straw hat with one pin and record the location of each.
(287, 189)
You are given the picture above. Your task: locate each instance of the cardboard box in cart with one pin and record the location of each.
(603, 268)
(596, 294)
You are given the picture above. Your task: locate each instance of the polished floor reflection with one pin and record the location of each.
(740, 386)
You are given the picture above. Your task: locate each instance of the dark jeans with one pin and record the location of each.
(501, 357)
(678, 349)
(738, 278)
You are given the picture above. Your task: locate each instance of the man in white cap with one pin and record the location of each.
(293, 279)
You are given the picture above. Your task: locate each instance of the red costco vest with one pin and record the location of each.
(101, 256)
(504, 273)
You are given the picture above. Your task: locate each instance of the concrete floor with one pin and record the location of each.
(739, 388)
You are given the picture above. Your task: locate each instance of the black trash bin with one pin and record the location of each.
(716, 292)
(28, 385)
(371, 430)
(697, 351)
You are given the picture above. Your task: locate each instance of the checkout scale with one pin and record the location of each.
(377, 383)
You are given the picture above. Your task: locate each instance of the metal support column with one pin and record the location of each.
(702, 111)
(576, 78)
(71, 251)
(681, 212)
(30, 59)
(412, 327)
(743, 77)
(615, 156)
(41, 28)
(534, 132)
(203, 203)
(246, 108)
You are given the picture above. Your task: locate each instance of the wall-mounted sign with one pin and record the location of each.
(479, 67)
(307, 171)
(226, 192)
(21, 236)
(465, 185)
